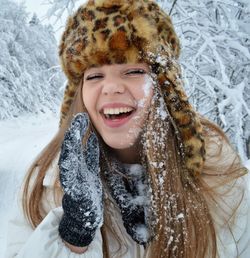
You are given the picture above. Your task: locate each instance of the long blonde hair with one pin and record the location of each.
(185, 208)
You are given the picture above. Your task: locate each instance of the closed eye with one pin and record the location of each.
(137, 71)
(94, 76)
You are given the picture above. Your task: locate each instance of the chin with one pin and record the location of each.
(120, 145)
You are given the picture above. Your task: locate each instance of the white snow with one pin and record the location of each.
(162, 109)
(180, 216)
(20, 141)
(148, 85)
(142, 232)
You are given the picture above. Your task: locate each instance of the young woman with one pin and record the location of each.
(133, 170)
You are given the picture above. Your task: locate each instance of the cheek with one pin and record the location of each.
(143, 103)
(144, 96)
(144, 91)
(88, 97)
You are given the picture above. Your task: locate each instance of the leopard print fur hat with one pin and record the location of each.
(128, 31)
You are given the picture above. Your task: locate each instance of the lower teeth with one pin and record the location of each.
(112, 117)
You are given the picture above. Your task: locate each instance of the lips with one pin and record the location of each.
(117, 121)
(116, 115)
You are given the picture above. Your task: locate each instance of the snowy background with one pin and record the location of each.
(216, 70)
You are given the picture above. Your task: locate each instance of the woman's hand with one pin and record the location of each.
(79, 176)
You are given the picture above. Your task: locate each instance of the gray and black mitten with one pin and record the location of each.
(127, 199)
(80, 179)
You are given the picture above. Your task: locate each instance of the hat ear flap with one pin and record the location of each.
(68, 98)
(184, 118)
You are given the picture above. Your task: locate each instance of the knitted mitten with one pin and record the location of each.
(131, 204)
(79, 176)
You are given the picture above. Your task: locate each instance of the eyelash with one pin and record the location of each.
(92, 77)
(138, 71)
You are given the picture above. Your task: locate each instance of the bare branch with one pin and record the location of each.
(175, 1)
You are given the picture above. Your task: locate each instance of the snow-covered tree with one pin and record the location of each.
(61, 8)
(29, 71)
(216, 61)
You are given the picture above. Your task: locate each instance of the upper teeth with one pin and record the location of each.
(115, 111)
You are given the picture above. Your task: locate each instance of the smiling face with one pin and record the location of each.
(117, 98)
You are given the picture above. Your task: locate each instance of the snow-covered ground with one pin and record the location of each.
(20, 141)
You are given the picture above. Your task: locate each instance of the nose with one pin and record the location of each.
(113, 85)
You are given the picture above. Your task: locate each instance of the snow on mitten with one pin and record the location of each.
(80, 179)
(131, 205)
